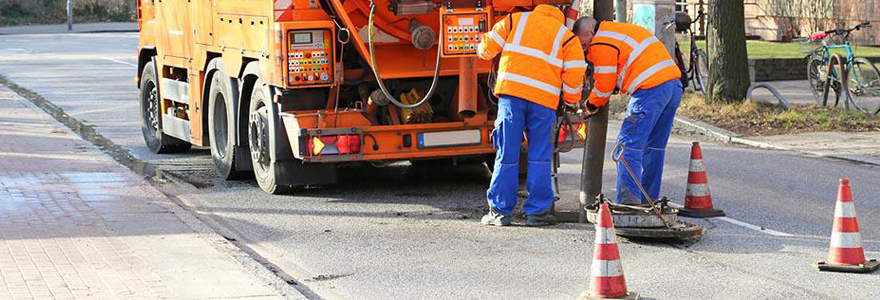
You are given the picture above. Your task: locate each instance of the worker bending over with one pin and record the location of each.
(540, 59)
(628, 58)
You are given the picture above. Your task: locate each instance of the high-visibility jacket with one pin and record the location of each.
(627, 57)
(540, 57)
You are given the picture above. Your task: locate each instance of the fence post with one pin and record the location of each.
(69, 15)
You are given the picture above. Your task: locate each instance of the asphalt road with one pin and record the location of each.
(405, 232)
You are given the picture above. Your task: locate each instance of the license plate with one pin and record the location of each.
(449, 138)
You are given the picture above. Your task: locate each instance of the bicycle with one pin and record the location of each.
(698, 60)
(854, 78)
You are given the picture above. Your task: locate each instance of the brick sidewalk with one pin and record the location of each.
(76, 225)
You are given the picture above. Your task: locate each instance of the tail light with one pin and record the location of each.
(335, 144)
(580, 132)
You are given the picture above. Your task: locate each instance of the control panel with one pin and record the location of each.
(462, 31)
(310, 57)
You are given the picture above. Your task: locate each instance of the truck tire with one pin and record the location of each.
(259, 135)
(221, 127)
(151, 116)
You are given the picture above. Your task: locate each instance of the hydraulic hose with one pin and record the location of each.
(382, 83)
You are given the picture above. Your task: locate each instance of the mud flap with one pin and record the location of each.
(289, 170)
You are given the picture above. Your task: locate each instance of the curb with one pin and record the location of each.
(726, 136)
(281, 283)
(72, 32)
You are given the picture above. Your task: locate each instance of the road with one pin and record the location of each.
(405, 232)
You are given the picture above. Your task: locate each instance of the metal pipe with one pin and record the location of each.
(594, 152)
(467, 87)
(69, 15)
(620, 10)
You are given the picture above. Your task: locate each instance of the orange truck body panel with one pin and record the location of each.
(185, 36)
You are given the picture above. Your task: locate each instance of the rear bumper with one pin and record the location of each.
(386, 142)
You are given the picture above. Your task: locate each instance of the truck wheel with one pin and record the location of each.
(259, 116)
(151, 122)
(221, 127)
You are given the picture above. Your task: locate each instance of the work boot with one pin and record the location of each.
(544, 219)
(495, 219)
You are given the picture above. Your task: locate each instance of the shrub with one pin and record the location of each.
(29, 12)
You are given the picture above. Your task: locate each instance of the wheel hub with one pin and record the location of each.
(259, 136)
(153, 109)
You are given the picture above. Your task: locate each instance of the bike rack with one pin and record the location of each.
(782, 101)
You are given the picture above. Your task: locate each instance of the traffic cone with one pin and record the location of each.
(607, 280)
(846, 253)
(698, 199)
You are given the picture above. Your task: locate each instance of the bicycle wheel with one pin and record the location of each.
(700, 64)
(864, 85)
(816, 76)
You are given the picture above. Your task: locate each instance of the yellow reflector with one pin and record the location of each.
(317, 145)
(582, 131)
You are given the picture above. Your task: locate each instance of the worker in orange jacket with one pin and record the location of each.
(629, 59)
(541, 61)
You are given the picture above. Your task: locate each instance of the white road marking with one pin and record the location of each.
(753, 227)
(119, 61)
(743, 224)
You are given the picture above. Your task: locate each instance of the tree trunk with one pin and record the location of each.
(728, 60)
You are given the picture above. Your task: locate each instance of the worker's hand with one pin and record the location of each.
(572, 108)
(590, 110)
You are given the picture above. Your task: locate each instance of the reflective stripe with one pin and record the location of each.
(574, 64)
(528, 81)
(844, 210)
(605, 235)
(515, 46)
(648, 73)
(520, 28)
(572, 90)
(846, 240)
(606, 268)
(497, 38)
(605, 70)
(697, 189)
(635, 54)
(534, 53)
(558, 41)
(601, 94)
(618, 36)
(697, 165)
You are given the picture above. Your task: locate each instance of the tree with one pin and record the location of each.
(728, 60)
(817, 13)
(788, 15)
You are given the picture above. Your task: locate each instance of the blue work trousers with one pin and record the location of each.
(515, 115)
(644, 133)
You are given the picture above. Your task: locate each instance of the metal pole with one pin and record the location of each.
(620, 10)
(69, 15)
(594, 152)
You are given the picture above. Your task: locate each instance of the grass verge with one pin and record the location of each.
(760, 118)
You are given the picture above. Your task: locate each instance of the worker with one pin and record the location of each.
(629, 59)
(541, 61)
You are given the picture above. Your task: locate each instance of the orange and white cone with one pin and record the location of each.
(698, 199)
(607, 280)
(846, 253)
(571, 13)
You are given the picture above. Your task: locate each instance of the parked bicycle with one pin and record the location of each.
(697, 69)
(855, 79)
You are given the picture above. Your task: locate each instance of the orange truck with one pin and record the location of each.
(292, 89)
